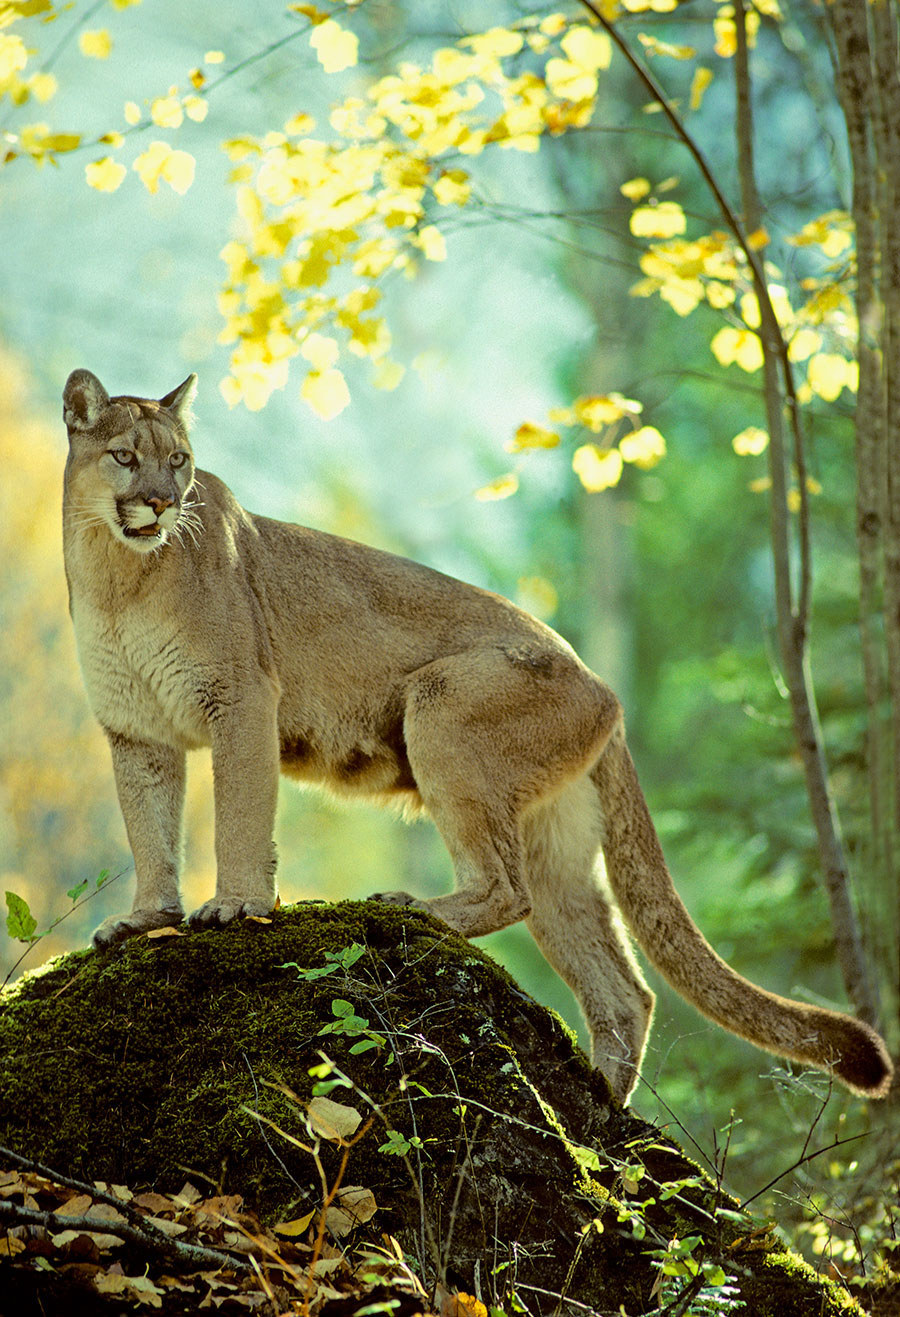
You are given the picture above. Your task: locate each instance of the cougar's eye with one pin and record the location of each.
(177, 459)
(124, 456)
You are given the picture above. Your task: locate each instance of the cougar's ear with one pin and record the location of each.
(180, 400)
(84, 400)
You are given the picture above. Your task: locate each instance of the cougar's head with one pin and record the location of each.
(130, 463)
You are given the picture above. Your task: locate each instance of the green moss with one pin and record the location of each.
(176, 1058)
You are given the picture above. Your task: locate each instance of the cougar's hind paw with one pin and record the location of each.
(120, 927)
(222, 909)
(397, 898)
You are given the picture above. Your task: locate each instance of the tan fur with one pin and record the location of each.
(287, 649)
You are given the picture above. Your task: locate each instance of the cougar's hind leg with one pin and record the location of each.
(488, 732)
(577, 927)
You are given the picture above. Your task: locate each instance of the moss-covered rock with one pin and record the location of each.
(496, 1154)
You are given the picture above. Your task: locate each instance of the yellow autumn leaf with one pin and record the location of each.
(431, 241)
(501, 487)
(644, 448)
(166, 112)
(635, 189)
(43, 87)
(750, 442)
(13, 56)
(760, 485)
(292, 1229)
(597, 410)
(159, 161)
(803, 344)
(105, 175)
(214, 57)
(587, 47)
(832, 232)
(828, 374)
(597, 468)
(699, 83)
(325, 392)
(320, 351)
(132, 112)
(178, 171)
(664, 220)
(96, 44)
(452, 188)
(737, 346)
(654, 46)
(196, 108)
(495, 44)
(529, 435)
(388, 374)
(336, 48)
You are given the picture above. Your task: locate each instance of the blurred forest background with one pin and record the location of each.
(663, 581)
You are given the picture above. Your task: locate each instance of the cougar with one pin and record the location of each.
(284, 648)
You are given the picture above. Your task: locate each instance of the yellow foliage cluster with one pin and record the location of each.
(325, 221)
(820, 330)
(598, 464)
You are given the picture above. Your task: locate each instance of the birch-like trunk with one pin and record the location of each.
(869, 85)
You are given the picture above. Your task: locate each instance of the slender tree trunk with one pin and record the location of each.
(792, 606)
(870, 96)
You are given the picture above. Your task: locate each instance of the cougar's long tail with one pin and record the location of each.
(658, 919)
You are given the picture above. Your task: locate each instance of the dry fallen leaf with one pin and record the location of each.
(332, 1120)
(169, 931)
(296, 1227)
(138, 1288)
(351, 1207)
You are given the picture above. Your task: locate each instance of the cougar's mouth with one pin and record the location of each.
(144, 531)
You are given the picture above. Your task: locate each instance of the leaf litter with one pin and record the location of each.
(288, 1268)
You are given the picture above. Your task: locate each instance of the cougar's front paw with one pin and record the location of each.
(222, 909)
(119, 927)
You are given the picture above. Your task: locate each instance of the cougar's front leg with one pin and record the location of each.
(245, 754)
(150, 783)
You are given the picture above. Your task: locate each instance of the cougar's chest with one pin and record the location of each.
(140, 677)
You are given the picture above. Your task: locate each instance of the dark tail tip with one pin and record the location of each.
(864, 1064)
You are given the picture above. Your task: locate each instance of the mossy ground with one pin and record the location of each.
(172, 1059)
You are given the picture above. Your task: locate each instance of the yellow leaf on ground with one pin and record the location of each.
(292, 1229)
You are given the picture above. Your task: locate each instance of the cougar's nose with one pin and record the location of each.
(158, 505)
